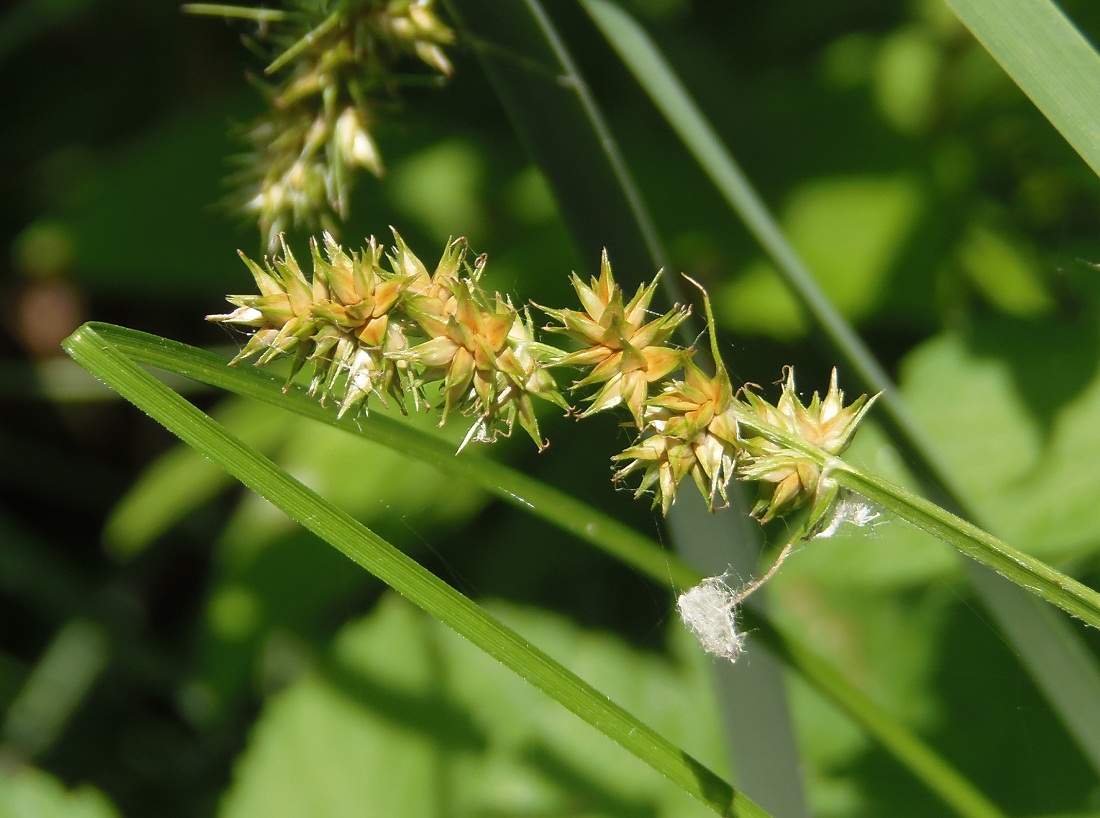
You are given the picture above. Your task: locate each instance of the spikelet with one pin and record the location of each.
(788, 478)
(373, 324)
(622, 350)
(690, 429)
(334, 62)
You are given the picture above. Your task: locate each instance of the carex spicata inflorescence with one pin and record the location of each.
(378, 324)
(333, 64)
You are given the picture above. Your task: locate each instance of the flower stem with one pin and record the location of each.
(1036, 576)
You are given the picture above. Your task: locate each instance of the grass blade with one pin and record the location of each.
(572, 516)
(563, 130)
(1024, 570)
(507, 484)
(400, 572)
(1051, 61)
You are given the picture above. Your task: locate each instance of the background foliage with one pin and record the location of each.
(176, 644)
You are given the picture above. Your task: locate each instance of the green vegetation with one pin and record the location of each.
(861, 187)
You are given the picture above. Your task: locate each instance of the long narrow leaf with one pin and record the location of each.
(571, 516)
(1066, 672)
(554, 114)
(507, 484)
(1022, 569)
(1051, 61)
(401, 573)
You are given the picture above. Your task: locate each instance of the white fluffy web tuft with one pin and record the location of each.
(850, 509)
(710, 612)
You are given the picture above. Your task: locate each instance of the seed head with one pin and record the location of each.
(361, 338)
(788, 478)
(341, 322)
(333, 63)
(621, 348)
(689, 430)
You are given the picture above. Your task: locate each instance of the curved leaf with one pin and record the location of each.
(401, 573)
(571, 516)
(1051, 61)
(352, 731)
(1015, 612)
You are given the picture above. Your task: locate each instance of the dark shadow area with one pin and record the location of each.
(994, 726)
(445, 722)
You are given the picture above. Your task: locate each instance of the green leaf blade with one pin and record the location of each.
(1012, 608)
(1049, 58)
(571, 516)
(402, 573)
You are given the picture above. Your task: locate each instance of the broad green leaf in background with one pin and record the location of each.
(850, 232)
(1003, 271)
(26, 792)
(182, 480)
(396, 717)
(568, 514)
(556, 116)
(262, 556)
(1018, 616)
(1015, 410)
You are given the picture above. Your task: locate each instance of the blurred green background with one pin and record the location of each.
(172, 646)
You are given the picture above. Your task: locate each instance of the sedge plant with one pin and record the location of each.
(376, 325)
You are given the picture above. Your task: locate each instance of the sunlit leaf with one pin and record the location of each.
(396, 718)
(27, 792)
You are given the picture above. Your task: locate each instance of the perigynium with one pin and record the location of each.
(690, 428)
(788, 479)
(622, 347)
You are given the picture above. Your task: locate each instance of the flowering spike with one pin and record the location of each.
(368, 330)
(621, 352)
(394, 330)
(331, 64)
(790, 480)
